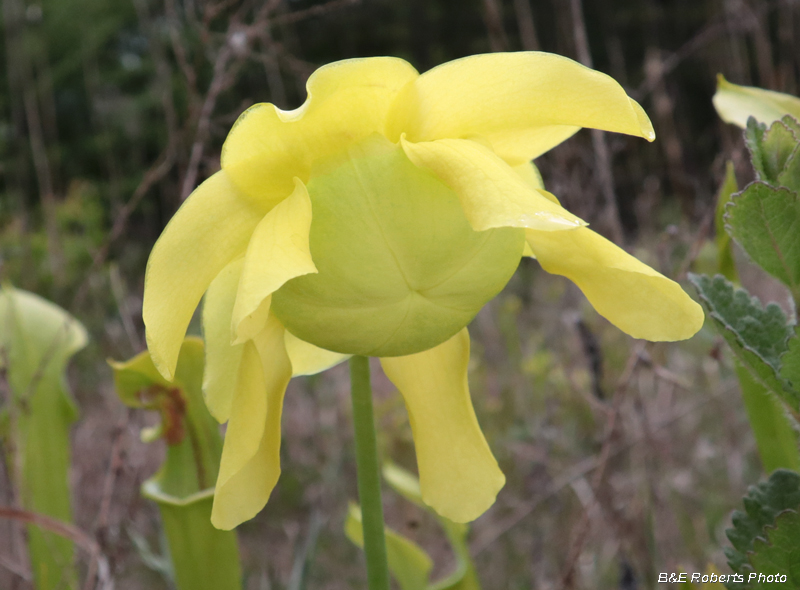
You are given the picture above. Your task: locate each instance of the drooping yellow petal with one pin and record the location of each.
(735, 104)
(491, 192)
(222, 359)
(347, 101)
(250, 464)
(523, 103)
(531, 176)
(211, 228)
(458, 475)
(628, 293)
(278, 251)
(308, 359)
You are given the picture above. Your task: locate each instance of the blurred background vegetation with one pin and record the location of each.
(623, 459)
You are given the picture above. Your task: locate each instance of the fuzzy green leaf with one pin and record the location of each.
(790, 362)
(726, 264)
(771, 148)
(765, 221)
(37, 338)
(762, 505)
(792, 123)
(753, 139)
(790, 177)
(758, 336)
(778, 146)
(778, 553)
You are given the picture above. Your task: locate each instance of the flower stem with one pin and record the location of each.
(369, 475)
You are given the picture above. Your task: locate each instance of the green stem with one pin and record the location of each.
(369, 475)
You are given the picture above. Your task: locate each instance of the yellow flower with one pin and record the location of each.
(735, 104)
(377, 219)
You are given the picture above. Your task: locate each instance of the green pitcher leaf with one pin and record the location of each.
(203, 557)
(765, 221)
(776, 555)
(726, 264)
(757, 335)
(408, 562)
(776, 437)
(37, 338)
(762, 504)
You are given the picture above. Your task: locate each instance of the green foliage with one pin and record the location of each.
(763, 508)
(790, 362)
(779, 552)
(776, 437)
(408, 563)
(764, 217)
(81, 227)
(37, 338)
(758, 336)
(203, 558)
(771, 149)
(765, 221)
(726, 263)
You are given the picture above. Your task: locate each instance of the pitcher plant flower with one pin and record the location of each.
(735, 104)
(377, 219)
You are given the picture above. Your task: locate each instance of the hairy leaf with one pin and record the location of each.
(790, 177)
(758, 336)
(726, 264)
(753, 138)
(762, 504)
(777, 552)
(790, 362)
(765, 221)
(771, 148)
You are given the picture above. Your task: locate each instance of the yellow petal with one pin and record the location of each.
(347, 101)
(631, 295)
(278, 251)
(250, 464)
(222, 358)
(523, 103)
(458, 475)
(308, 359)
(735, 104)
(491, 193)
(210, 229)
(531, 176)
